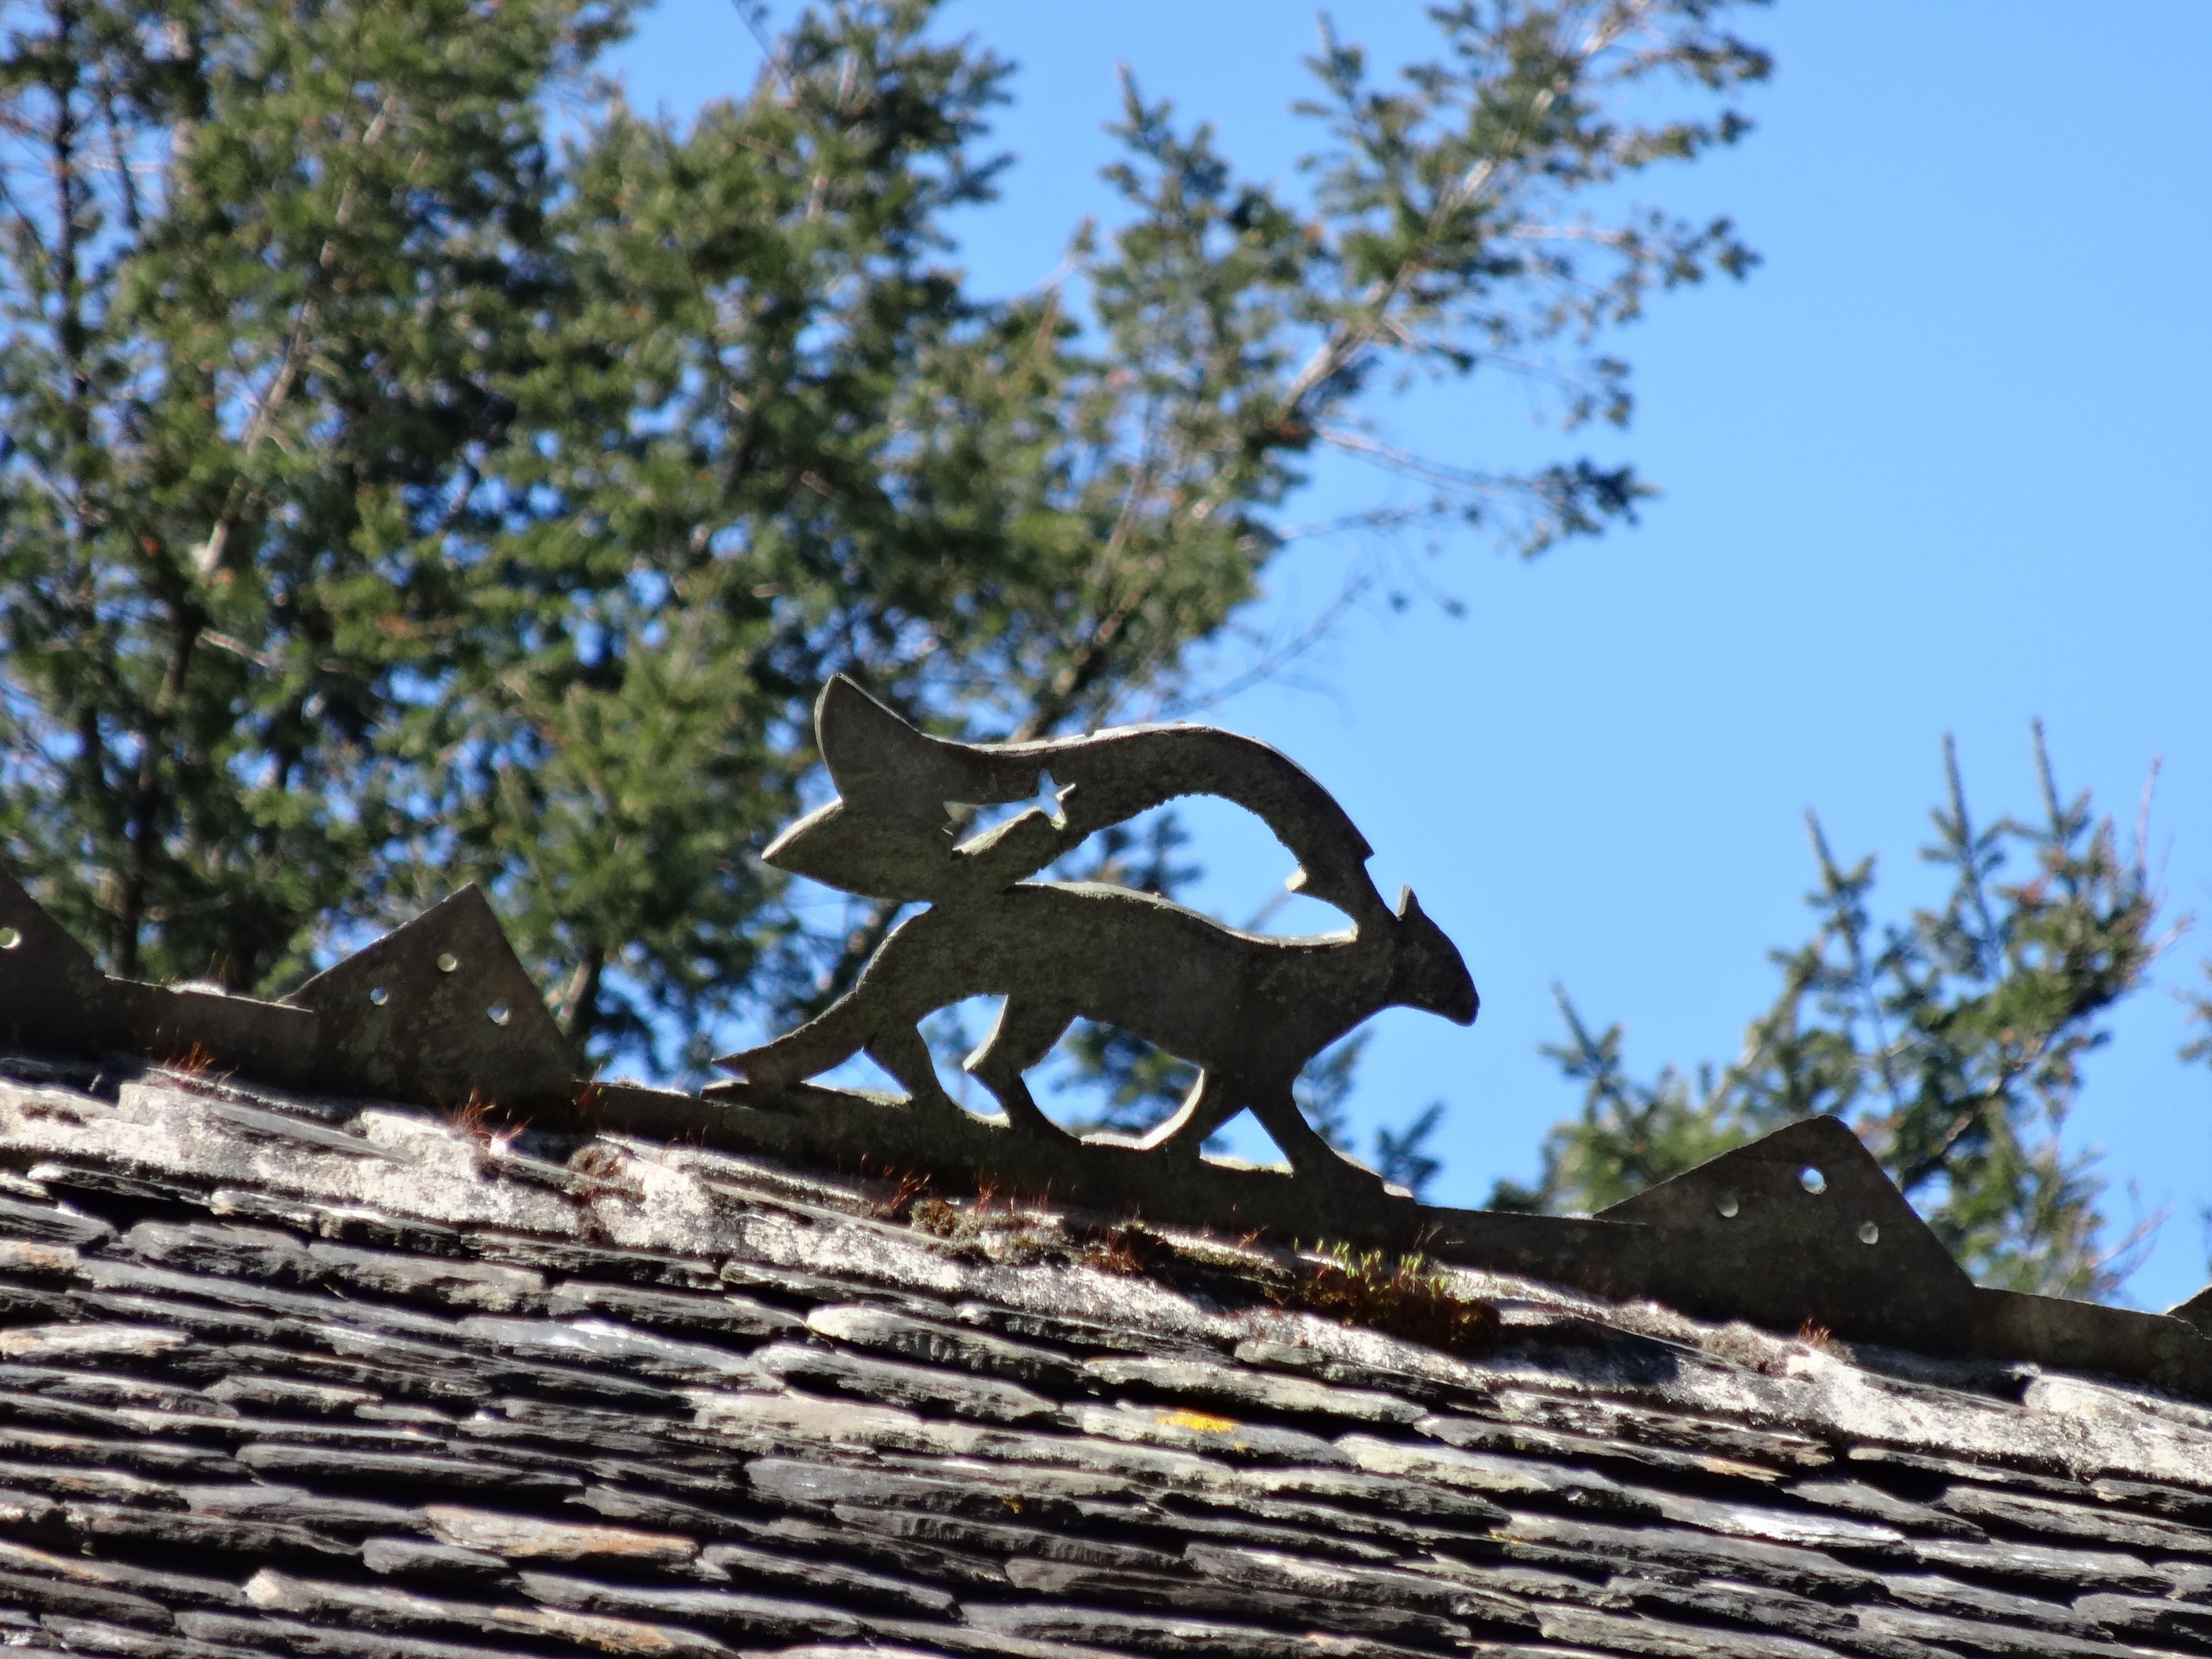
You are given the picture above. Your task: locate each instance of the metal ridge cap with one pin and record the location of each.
(1800, 1230)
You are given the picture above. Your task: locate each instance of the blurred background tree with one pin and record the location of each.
(269, 276)
(393, 497)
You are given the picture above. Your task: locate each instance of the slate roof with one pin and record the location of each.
(303, 1376)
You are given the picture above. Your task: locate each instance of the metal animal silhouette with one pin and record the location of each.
(1247, 1009)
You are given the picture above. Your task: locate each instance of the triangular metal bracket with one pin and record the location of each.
(1803, 1228)
(439, 1011)
(2198, 1310)
(50, 987)
(53, 996)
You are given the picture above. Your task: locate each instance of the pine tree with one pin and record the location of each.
(1952, 1041)
(264, 275)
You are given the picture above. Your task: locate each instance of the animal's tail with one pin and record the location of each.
(831, 1038)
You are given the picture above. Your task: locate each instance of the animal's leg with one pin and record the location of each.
(899, 1050)
(1024, 1035)
(1309, 1152)
(1212, 1102)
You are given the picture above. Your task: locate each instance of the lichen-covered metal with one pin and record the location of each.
(1248, 1009)
(1801, 1230)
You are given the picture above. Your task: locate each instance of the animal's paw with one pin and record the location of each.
(757, 1065)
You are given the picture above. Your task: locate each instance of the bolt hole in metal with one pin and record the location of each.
(1868, 1233)
(1811, 1180)
(1728, 1207)
(9, 938)
(447, 961)
(497, 1013)
(378, 996)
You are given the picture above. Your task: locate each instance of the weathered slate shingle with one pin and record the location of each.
(313, 1378)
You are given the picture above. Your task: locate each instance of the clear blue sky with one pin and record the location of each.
(1939, 466)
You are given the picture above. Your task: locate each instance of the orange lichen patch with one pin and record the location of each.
(1200, 1422)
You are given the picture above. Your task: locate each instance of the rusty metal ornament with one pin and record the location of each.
(1248, 1009)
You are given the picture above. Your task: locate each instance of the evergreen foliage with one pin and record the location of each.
(392, 498)
(1952, 1041)
(267, 274)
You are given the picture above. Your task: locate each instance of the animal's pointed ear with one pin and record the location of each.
(1408, 906)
